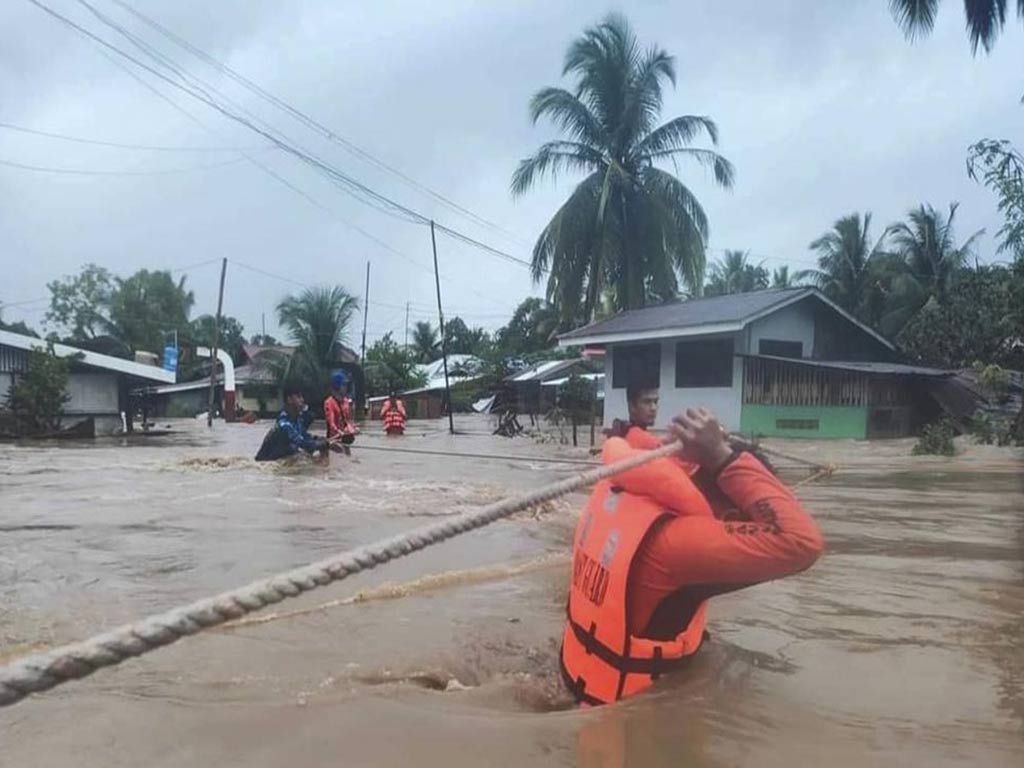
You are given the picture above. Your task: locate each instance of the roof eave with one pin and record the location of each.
(663, 333)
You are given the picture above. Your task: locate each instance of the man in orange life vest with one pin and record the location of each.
(392, 413)
(642, 403)
(650, 549)
(338, 412)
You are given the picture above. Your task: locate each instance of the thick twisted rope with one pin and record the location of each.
(43, 671)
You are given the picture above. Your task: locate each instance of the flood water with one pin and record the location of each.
(904, 645)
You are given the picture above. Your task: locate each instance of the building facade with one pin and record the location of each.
(778, 363)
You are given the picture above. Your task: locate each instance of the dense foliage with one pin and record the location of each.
(37, 398)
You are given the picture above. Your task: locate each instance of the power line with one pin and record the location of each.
(310, 122)
(349, 184)
(93, 172)
(118, 145)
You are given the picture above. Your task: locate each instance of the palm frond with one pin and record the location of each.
(676, 134)
(722, 169)
(569, 113)
(915, 17)
(552, 158)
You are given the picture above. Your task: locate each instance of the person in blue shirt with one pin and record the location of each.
(290, 433)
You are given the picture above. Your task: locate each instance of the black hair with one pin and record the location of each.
(633, 391)
(292, 389)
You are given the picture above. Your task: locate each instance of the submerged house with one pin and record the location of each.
(786, 362)
(98, 385)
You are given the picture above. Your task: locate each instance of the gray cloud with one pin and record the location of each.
(823, 107)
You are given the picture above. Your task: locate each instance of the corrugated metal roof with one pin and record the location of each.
(85, 357)
(732, 310)
(897, 369)
(539, 371)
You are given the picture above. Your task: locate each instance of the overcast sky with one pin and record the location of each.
(823, 108)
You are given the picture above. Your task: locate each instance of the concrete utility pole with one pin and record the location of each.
(366, 309)
(444, 342)
(216, 340)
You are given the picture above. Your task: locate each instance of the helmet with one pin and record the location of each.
(339, 379)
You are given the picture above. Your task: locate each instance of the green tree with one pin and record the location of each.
(531, 329)
(391, 368)
(927, 245)
(263, 340)
(316, 321)
(15, 327)
(80, 304)
(630, 229)
(426, 346)
(148, 306)
(781, 278)
(37, 398)
(1000, 167)
(230, 338)
(848, 266)
(735, 274)
(985, 18)
(463, 340)
(980, 320)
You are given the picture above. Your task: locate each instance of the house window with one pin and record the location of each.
(777, 348)
(704, 363)
(638, 365)
(809, 424)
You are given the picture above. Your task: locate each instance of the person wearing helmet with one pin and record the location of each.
(290, 433)
(339, 414)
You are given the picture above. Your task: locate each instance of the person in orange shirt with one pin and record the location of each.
(650, 550)
(392, 413)
(642, 403)
(339, 414)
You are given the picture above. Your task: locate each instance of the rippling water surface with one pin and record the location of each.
(904, 645)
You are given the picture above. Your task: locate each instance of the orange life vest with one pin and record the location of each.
(394, 418)
(601, 660)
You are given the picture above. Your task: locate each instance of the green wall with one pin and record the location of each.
(833, 421)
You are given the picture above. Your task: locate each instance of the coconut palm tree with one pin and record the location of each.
(425, 342)
(847, 264)
(926, 244)
(781, 278)
(316, 321)
(630, 229)
(735, 274)
(985, 18)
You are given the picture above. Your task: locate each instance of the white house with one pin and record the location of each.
(775, 362)
(98, 385)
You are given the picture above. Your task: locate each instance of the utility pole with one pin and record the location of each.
(263, 322)
(366, 309)
(407, 325)
(216, 340)
(444, 342)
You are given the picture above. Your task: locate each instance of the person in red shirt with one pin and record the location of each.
(339, 414)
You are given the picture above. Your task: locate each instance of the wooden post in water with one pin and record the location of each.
(216, 340)
(444, 342)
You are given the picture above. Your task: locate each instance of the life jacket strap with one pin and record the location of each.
(625, 664)
(577, 686)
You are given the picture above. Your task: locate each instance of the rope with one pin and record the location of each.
(497, 456)
(41, 672)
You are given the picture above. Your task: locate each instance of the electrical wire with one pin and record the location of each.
(93, 172)
(310, 122)
(354, 187)
(118, 145)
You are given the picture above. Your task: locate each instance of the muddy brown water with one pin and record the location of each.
(904, 645)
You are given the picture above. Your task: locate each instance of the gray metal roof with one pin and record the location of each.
(732, 310)
(696, 317)
(897, 369)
